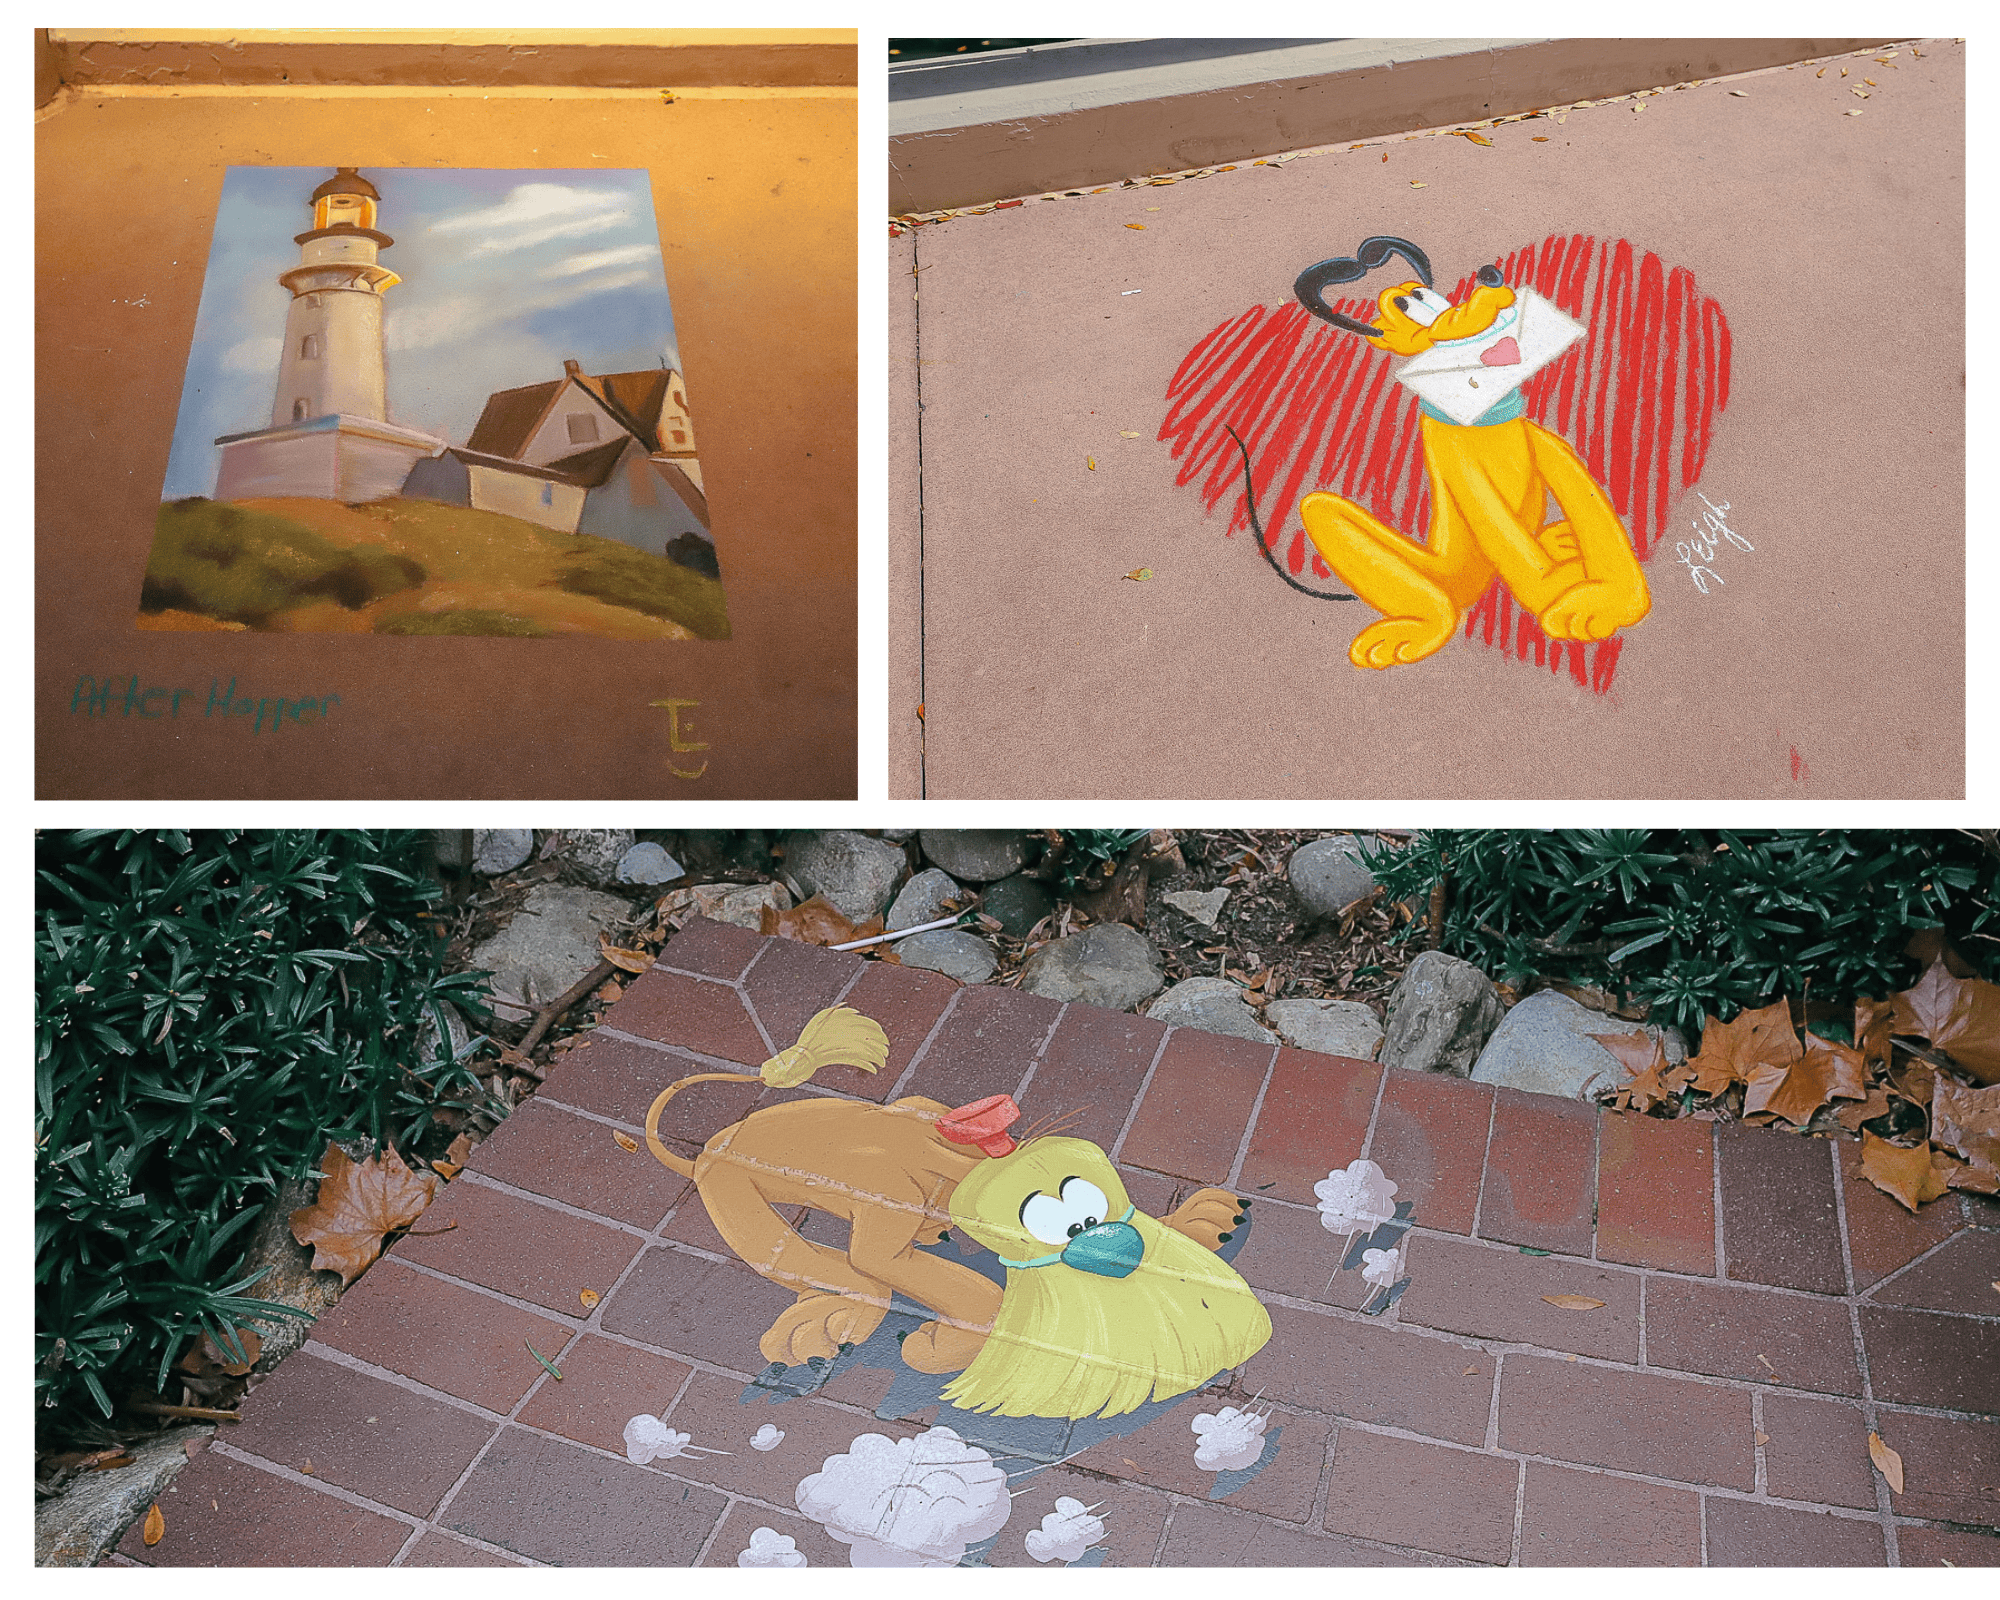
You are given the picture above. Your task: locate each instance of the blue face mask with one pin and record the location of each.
(1110, 1250)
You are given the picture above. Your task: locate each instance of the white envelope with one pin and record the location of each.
(1468, 377)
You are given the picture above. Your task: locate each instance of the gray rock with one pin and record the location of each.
(1328, 876)
(922, 899)
(898, 835)
(952, 951)
(427, 1034)
(1333, 1027)
(1544, 1046)
(976, 855)
(448, 847)
(1204, 908)
(740, 904)
(291, 1280)
(498, 850)
(1440, 1015)
(76, 1527)
(1215, 1005)
(859, 875)
(550, 944)
(647, 863)
(593, 853)
(1108, 965)
(1017, 904)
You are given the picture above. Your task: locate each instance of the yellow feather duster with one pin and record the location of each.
(838, 1034)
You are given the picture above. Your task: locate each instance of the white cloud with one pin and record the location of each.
(572, 266)
(1228, 1440)
(907, 1502)
(457, 318)
(535, 213)
(254, 355)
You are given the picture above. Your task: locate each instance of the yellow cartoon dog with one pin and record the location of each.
(1492, 473)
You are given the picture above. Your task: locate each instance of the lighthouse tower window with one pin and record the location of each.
(309, 348)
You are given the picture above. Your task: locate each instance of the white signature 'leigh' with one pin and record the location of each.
(1710, 529)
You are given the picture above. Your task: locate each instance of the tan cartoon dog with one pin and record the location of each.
(895, 1173)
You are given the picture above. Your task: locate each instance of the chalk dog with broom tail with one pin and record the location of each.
(1104, 1307)
(1492, 473)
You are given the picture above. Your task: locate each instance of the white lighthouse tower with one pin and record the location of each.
(330, 437)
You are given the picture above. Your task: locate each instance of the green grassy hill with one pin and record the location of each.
(408, 567)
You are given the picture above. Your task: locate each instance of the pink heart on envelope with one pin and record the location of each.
(1504, 354)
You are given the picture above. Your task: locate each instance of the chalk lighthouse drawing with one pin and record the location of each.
(330, 435)
(314, 484)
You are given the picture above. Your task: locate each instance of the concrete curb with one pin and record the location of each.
(1059, 117)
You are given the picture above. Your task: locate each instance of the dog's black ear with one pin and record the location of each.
(1373, 251)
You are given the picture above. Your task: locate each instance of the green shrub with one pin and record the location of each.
(653, 585)
(1703, 922)
(241, 565)
(210, 1009)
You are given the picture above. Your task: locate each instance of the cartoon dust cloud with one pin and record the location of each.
(770, 1548)
(1228, 1440)
(908, 1502)
(768, 1438)
(1104, 1307)
(647, 1439)
(1355, 1200)
(1066, 1532)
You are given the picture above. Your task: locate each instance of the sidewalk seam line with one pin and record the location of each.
(923, 641)
(481, 1180)
(1485, 1163)
(1035, 1061)
(1715, 1167)
(1139, 1099)
(1866, 1296)
(277, 1469)
(1375, 1112)
(923, 1049)
(1256, 1111)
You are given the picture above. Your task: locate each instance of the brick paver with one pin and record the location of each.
(1474, 1421)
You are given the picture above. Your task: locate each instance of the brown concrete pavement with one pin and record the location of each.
(1762, 1310)
(1827, 662)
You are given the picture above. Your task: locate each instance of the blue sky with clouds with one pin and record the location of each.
(505, 274)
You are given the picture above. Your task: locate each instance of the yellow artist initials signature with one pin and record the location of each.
(675, 730)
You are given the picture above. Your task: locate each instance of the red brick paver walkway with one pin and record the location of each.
(1764, 1309)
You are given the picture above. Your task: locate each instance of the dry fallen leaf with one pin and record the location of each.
(359, 1204)
(589, 1297)
(1574, 1302)
(1539, 138)
(1090, 462)
(1767, 1362)
(1416, 185)
(815, 921)
(1124, 435)
(1961, 1016)
(1762, 1438)
(1744, 94)
(627, 960)
(1852, 1116)
(1887, 1462)
(1905, 1175)
(446, 1170)
(625, 1140)
(1139, 574)
(1967, 1123)
(1139, 225)
(156, 1524)
(1469, 1371)
(1850, 113)
(252, 1347)
(1730, 1049)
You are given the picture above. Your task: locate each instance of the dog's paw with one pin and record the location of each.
(1594, 610)
(816, 1328)
(1210, 1217)
(938, 1347)
(1395, 640)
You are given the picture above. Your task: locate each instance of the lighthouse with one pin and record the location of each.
(330, 436)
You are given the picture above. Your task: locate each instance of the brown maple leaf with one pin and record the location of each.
(359, 1204)
(1904, 1174)
(1960, 1016)
(1851, 1117)
(815, 921)
(1967, 1123)
(1796, 1090)
(1874, 1021)
(1730, 1049)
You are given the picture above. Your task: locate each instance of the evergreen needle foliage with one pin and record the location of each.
(210, 1009)
(1703, 922)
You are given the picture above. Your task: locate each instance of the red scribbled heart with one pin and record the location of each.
(1504, 354)
(1637, 397)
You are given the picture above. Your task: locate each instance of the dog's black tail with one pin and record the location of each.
(1263, 544)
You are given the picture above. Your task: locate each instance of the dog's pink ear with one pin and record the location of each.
(984, 1123)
